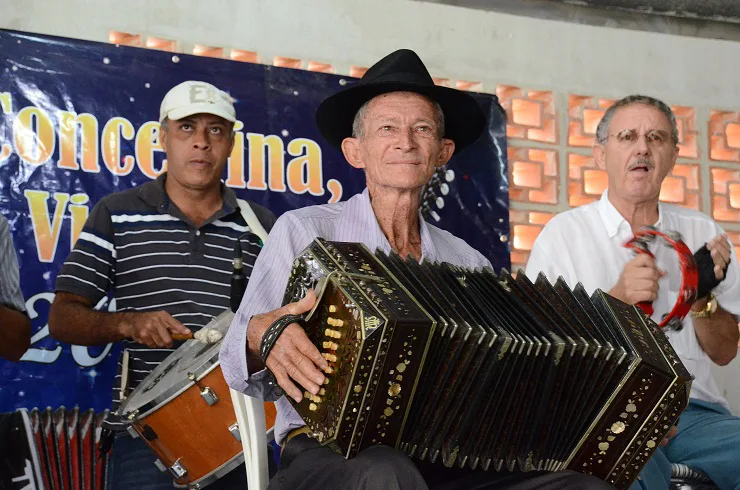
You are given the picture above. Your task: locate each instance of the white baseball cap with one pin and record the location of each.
(193, 97)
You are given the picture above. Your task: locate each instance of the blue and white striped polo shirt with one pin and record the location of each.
(138, 246)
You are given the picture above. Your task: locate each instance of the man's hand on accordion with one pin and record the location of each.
(294, 358)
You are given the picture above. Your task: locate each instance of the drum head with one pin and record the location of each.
(171, 377)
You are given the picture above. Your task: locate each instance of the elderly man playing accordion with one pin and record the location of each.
(398, 127)
(636, 146)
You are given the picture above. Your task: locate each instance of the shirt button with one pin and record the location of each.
(197, 232)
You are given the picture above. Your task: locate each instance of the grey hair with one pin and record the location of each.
(602, 130)
(358, 124)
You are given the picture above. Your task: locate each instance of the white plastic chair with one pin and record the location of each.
(250, 415)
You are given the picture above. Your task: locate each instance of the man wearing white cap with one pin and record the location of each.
(164, 250)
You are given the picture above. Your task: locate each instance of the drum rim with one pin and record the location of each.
(168, 395)
(214, 475)
(178, 388)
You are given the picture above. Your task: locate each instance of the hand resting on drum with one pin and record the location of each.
(294, 358)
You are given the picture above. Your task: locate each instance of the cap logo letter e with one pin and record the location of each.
(202, 93)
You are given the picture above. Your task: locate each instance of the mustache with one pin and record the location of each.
(641, 162)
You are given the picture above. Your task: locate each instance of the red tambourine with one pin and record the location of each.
(640, 243)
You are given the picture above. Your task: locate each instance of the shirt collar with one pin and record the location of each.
(357, 223)
(612, 219)
(154, 194)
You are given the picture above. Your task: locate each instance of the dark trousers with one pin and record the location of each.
(305, 465)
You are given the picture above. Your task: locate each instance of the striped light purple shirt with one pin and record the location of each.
(349, 221)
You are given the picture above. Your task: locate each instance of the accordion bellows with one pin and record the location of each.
(52, 449)
(488, 371)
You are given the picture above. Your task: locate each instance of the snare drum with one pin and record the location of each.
(183, 411)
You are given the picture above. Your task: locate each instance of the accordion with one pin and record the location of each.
(487, 371)
(53, 449)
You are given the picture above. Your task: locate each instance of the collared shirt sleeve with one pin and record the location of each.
(10, 288)
(543, 257)
(540, 261)
(90, 266)
(264, 293)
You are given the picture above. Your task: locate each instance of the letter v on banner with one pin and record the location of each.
(45, 230)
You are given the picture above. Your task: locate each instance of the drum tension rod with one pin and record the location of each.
(206, 392)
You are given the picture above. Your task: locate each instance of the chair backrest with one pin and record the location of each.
(250, 415)
(250, 412)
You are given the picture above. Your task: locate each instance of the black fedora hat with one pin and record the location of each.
(400, 71)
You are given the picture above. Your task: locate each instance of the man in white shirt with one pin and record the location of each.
(636, 146)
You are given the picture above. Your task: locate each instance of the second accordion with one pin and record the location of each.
(469, 368)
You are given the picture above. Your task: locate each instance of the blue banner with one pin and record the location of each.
(79, 121)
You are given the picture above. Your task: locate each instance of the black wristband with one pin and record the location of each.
(705, 266)
(274, 331)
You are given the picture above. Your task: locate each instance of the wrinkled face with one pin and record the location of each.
(197, 148)
(638, 153)
(400, 145)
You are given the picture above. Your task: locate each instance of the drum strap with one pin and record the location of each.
(124, 375)
(252, 221)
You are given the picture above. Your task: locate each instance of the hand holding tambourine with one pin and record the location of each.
(699, 274)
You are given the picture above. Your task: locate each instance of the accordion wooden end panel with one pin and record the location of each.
(480, 370)
(370, 380)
